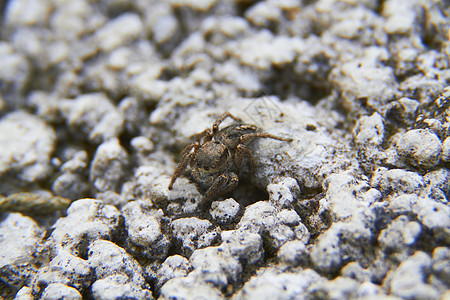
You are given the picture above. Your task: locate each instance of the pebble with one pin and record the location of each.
(174, 266)
(420, 148)
(108, 165)
(193, 233)
(87, 220)
(27, 144)
(145, 230)
(20, 237)
(225, 212)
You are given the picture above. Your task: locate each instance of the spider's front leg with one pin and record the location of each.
(223, 184)
(247, 138)
(187, 154)
(221, 119)
(243, 152)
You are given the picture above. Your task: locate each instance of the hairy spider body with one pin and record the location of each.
(217, 155)
(231, 135)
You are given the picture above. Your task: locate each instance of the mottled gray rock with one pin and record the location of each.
(142, 146)
(426, 88)
(441, 264)
(402, 205)
(270, 284)
(15, 72)
(368, 136)
(257, 217)
(225, 212)
(446, 150)
(163, 24)
(399, 237)
(369, 290)
(278, 236)
(59, 291)
(435, 216)
(338, 288)
(342, 241)
(310, 157)
(230, 71)
(243, 245)
(404, 110)
(278, 50)
(348, 197)
(147, 183)
(71, 183)
(283, 193)
(87, 220)
(118, 286)
(25, 293)
(420, 148)
(409, 280)
(216, 266)
(184, 199)
(437, 185)
(369, 130)
(174, 266)
(348, 200)
(276, 228)
(108, 165)
(365, 77)
(355, 271)
(145, 235)
(71, 186)
(262, 14)
(17, 16)
(66, 270)
(92, 117)
(112, 198)
(193, 233)
(288, 217)
(294, 253)
(189, 286)
(113, 266)
(20, 237)
(397, 181)
(27, 144)
(118, 31)
(400, 17)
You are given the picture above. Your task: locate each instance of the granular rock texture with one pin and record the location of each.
(98, 99)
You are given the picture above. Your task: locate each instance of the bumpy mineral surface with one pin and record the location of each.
(98, 98)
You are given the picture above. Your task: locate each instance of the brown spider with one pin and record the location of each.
(216, 155)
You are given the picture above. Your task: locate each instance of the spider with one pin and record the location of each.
(217, 155)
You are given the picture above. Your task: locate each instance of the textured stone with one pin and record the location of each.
(27, 144)
(420, 148)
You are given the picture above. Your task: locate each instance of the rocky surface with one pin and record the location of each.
(98, 99)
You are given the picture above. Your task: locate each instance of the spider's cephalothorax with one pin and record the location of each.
(217, 155)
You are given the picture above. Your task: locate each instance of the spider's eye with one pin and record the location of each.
(206, 168)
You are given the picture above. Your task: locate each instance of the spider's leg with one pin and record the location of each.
(187, 154)
(243, 152)
(206, 135)
(221, 119)
(222, 184)
(187, 149)
(246, 138)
